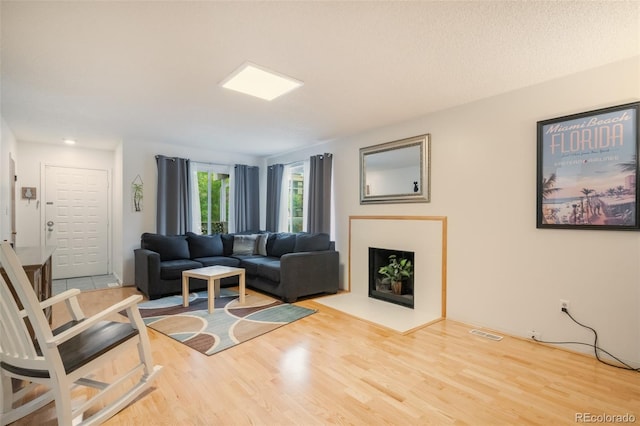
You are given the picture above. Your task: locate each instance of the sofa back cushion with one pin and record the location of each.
(227, 244)
(204, 245)
(280, 244)
(312, 242)
(170, 247)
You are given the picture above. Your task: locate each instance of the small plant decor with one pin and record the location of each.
(137, 196)
(137, 188)
(396, 270)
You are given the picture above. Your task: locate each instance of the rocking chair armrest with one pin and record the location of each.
(53, 300)
(71, 300)
(125, 304)
(67, 294)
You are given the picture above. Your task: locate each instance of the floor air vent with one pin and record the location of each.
(486, 335)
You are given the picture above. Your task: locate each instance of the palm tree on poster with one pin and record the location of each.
(548, 186)
(586, 193)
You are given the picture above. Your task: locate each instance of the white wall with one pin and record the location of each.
(7, 147)
(503, 273)
(139, 159)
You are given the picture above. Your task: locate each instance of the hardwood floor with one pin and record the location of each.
(329, 368)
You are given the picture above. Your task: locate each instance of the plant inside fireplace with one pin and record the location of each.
(396, 270)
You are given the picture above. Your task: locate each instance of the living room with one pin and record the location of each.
(503, 274)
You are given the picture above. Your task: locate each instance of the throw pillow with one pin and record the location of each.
(261, 244)
(204, 245)
(312, 242)
(244, 245)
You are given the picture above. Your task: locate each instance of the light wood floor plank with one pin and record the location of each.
(330, 368)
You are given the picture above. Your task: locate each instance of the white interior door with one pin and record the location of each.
(76, 220)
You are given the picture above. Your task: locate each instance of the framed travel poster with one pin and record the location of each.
(588, 170)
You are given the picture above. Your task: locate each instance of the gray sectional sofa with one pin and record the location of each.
(284, 265)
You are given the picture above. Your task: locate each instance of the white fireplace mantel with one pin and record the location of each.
(426, 236)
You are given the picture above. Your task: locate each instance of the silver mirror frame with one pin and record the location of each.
(424, 193)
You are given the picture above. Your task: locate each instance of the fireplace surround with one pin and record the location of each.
(426, 236)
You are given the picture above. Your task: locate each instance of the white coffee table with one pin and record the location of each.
(213, 275)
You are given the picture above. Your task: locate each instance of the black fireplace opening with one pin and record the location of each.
(380, 287)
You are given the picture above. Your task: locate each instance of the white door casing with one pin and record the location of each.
(76, 220)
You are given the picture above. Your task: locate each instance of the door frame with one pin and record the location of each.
(43, 209)
(12, 200)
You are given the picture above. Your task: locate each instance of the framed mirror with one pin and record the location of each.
(396, 172)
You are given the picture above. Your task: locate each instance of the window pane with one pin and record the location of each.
(203, 182)
(219, 202)
(296, 197)
(213, 191)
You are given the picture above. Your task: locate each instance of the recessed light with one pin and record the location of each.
(69, 141)
(254, 80)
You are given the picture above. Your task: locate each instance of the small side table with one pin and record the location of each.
(213, 275)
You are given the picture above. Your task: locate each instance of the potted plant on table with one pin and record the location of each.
(396, 270)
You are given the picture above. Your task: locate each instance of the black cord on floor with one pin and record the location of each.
(595, 347)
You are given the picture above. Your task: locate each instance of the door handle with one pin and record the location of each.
(50, 225)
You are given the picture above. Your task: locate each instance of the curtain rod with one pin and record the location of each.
(299, 161)
(193, 161)
(212, 164)
(287, 164)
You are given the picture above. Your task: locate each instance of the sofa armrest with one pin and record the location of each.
(311, 272)
(147, 269)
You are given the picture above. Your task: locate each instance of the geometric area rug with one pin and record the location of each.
(230, 323)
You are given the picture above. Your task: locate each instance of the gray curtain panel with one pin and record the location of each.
(174, 209)
(274, 187)
(247, 194)
(319, 212)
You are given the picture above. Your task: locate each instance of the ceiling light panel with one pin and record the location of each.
(260, 82)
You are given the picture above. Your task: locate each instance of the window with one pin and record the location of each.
(295, 197)
(210, 198)
(293, 203)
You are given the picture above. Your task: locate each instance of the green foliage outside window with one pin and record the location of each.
(296, 192)
(210, 202)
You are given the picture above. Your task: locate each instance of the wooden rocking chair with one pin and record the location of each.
(64, 358)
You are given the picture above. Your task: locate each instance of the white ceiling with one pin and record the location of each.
(106, 72)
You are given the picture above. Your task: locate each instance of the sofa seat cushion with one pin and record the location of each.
(172, 269)
(270, 270)
(251, 263)
(219, 260)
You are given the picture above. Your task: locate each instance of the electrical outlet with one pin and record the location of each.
(534, 334)
(564, 304)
